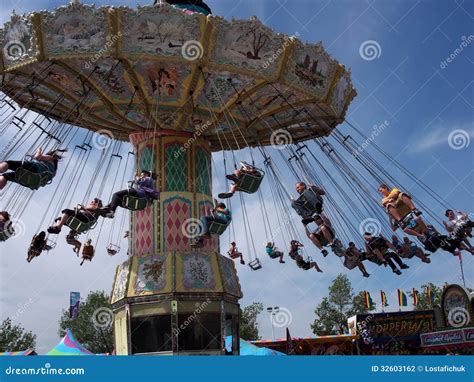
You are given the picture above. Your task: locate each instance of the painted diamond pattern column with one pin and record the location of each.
(176, 211)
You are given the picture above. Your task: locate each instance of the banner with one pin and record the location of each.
(74, 300)
(402, 298)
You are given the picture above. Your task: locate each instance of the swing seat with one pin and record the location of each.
(79, 226)
(409, 221)
(307, 265)
(274, 254)
(337, 248)
(34, 252)
(7, 232)
(234, 255)
(33, 180)
(294, 254)
(134, 203)
(51, 244)
(308, 207)
(217, 228)
(350, 262)
(113, 249)
(250, 183)
(255, 265)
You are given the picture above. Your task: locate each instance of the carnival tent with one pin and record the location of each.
(246, 348)
(69, 346)
(21, 352)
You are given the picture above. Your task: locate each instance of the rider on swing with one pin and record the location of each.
(353, 258)
(38, 245)
(379, 246)
(309, 202)
(83, 213)
(236, 177)
(144, 188)
(306, 264)
(459, 226)
(295, 246)
(323, 236)
(220, 214)
(408, 249)
(274, 252)
(40, 163)
(399, 206)
(234, 253)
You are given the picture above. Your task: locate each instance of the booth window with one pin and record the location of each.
(200, 332)
(151, 334)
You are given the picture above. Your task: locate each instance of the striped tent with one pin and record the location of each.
(246, 348)
(69, 346)
(22, 352)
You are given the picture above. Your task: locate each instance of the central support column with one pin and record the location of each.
(169, 298)
(183, 167)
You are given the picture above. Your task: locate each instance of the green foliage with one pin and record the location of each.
(334, 310)
(248, 321)
(93, 327)
(423, 297)
(15, 337)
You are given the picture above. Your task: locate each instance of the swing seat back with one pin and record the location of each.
(217, 228)
(33, 180)
(250, 183)
(7, 232)
(308, 207)
(134, 203)
(79, 226)
(255, 265)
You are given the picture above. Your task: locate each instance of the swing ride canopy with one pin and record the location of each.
(126, 70)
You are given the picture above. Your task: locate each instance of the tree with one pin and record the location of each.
(334, 310)
(423, 296)
(93, 325)
(15, 337)
(248, 321)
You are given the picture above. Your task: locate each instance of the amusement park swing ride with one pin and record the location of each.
(183, 85)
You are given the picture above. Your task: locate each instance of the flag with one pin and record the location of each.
(368, 300)
(415, 297)
(383, 298)
(429, 296)
(402, 298)
(290, 347)
(74, 299)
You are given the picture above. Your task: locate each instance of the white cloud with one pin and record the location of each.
(431, 138)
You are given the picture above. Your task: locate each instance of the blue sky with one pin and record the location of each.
(407, 85)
